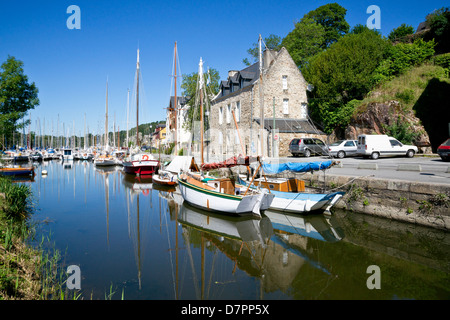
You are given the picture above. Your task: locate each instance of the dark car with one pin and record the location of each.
(444, 150)
(307, 147)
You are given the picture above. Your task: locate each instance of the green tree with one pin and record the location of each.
(439, 22)
(342, 73)
(189, 86)
(305, 41)
(272, 42)
(332, 17)
(17, 96)
(399, 33)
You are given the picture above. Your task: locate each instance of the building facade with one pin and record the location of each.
(175, 120)
(237, 105)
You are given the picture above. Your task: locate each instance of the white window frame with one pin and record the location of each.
(238, 111)
(220, 115)
(304, 110)
(229, 113)
(284, 80)
(285, 106)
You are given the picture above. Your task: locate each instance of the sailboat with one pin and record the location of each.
(105, 159)
(164, 177)
(139, 163)
(221, 195)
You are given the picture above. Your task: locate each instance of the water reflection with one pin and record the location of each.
(126, 232)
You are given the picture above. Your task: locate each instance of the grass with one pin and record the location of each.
(26, 272)
(406, 88)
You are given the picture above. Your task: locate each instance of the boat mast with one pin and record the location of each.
(137, 100)
(128, 108)
(261, 100)
(175, 101)
(106, 117)
(200, 75)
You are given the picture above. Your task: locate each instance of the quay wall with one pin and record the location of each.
(420, 203)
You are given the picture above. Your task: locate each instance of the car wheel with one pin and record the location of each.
(410, 153)
(375, 155)
(341, 154)
(307, 153)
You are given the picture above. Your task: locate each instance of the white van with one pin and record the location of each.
(375, 146)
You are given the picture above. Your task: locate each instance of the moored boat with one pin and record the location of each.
(25, 171)
(222, 195)
(293, 198)
(141, 163)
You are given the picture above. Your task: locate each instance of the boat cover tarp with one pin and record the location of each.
(178, 164)
(296, 166)
(230, 162)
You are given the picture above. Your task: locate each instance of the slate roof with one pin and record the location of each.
(181, 100)
(290, 125)
(249, 74)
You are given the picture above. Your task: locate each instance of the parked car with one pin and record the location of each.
(377, 145)
(307, 147)
(444, 150)
(343, 148)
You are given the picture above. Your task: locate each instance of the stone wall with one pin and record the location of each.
(414, 202)
(249, 99)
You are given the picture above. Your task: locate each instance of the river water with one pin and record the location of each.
(141, 242)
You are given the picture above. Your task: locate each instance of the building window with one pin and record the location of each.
(285, 106)
(285, 86)
(229, 113)
(220, 115)
(238, 111)
(304, 110)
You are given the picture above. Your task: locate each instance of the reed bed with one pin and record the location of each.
(26, 272)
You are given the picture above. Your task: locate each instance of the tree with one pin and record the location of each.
(343, 73)
(17, 96)
(399, 33)
(332, 17)
(189, 86)
(272, 43)
(305, 41)
(439, 22)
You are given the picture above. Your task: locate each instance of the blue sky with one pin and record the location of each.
(70, 67)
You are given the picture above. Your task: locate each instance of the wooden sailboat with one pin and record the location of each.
(221, 195)
(105, 159)
(140, 163)
(164, 177)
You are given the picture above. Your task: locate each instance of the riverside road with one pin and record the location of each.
(421, 169)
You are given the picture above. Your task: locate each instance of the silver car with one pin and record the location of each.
(307, 147)
(343, 148)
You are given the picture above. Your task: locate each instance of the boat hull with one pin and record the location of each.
(224, 203)
(302, 202)
(104, 163)
(162, 181)
(17, 171)
(148, 167)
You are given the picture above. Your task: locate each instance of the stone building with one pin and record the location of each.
(175, 119)
(285, 109)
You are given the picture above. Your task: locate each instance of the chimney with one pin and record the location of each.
(232, 73)
(268, 57)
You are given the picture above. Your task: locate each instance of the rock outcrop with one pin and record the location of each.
(376, 118)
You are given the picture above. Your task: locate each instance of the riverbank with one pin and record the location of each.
(19, 263)
(26, 272)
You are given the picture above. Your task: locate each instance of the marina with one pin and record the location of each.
(138, 239)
